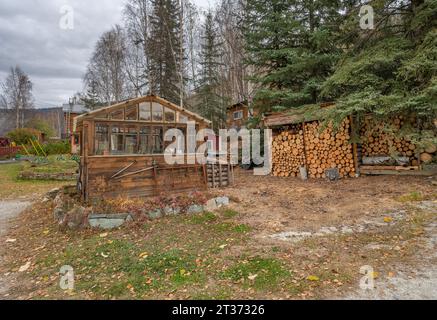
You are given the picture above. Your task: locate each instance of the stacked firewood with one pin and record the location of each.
(384, 139)
(327, 148)
(314, 147)
(288, 152)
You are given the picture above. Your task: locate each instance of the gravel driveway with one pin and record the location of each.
(418, 283)
(8, 211)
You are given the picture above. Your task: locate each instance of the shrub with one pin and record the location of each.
(22, 136)
(61, 147)
(52, 148)
(41, 125)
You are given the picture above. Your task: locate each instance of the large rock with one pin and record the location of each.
(76, 218)
(53, 193)
(170, 211)
(194, 209)
(155, 214)
(211, 205)
(222, 201)
(59, 211)
(109, 221)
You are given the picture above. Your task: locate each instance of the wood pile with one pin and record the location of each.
(329, 149)
(315, 148)
(380, 139)
(288, 152)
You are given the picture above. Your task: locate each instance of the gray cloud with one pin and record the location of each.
(55, 59)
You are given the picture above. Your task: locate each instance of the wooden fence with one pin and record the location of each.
(9, 151)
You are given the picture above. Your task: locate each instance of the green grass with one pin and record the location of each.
(53, 166)
(411, 197)
(203, 218)
(229, 213)
(266, 273)
(133, 268)
(231, 227)
(13, 187)
(178, 253)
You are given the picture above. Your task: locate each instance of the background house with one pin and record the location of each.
(238, 114)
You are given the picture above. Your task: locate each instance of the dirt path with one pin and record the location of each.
(419, 283)
(8, 211)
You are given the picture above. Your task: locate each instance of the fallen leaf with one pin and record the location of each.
(252, 276)
(313, 278)
(24, 267)
(143, 255)
(374, 275)
(388, 219)
(46, 232)
(223, 246)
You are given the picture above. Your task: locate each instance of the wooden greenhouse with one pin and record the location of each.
(122, 150)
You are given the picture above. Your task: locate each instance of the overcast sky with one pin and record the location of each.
(54, 58)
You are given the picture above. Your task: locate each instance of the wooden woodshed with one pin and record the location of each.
(301, 140)
(122, 151)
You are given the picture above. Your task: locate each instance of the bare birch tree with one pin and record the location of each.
(17, 94)
(137, 24)
(106, 69)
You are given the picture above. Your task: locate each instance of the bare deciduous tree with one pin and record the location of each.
(17, 93)
(230, 17)
(137, 24)
(106, 72)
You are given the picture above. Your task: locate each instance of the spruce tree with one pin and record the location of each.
(291, 45)
(211, 105)
(164, 49)
(391, 69)
(91, 98)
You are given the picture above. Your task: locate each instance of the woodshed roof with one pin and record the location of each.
(298, 115)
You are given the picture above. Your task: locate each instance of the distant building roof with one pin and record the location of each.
(238, 104)
(77, 108)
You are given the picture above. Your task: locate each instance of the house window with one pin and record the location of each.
(169, 115)
(101, 143)
(131, 113)
(145, 113)
(238, 115)
(157, 112)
